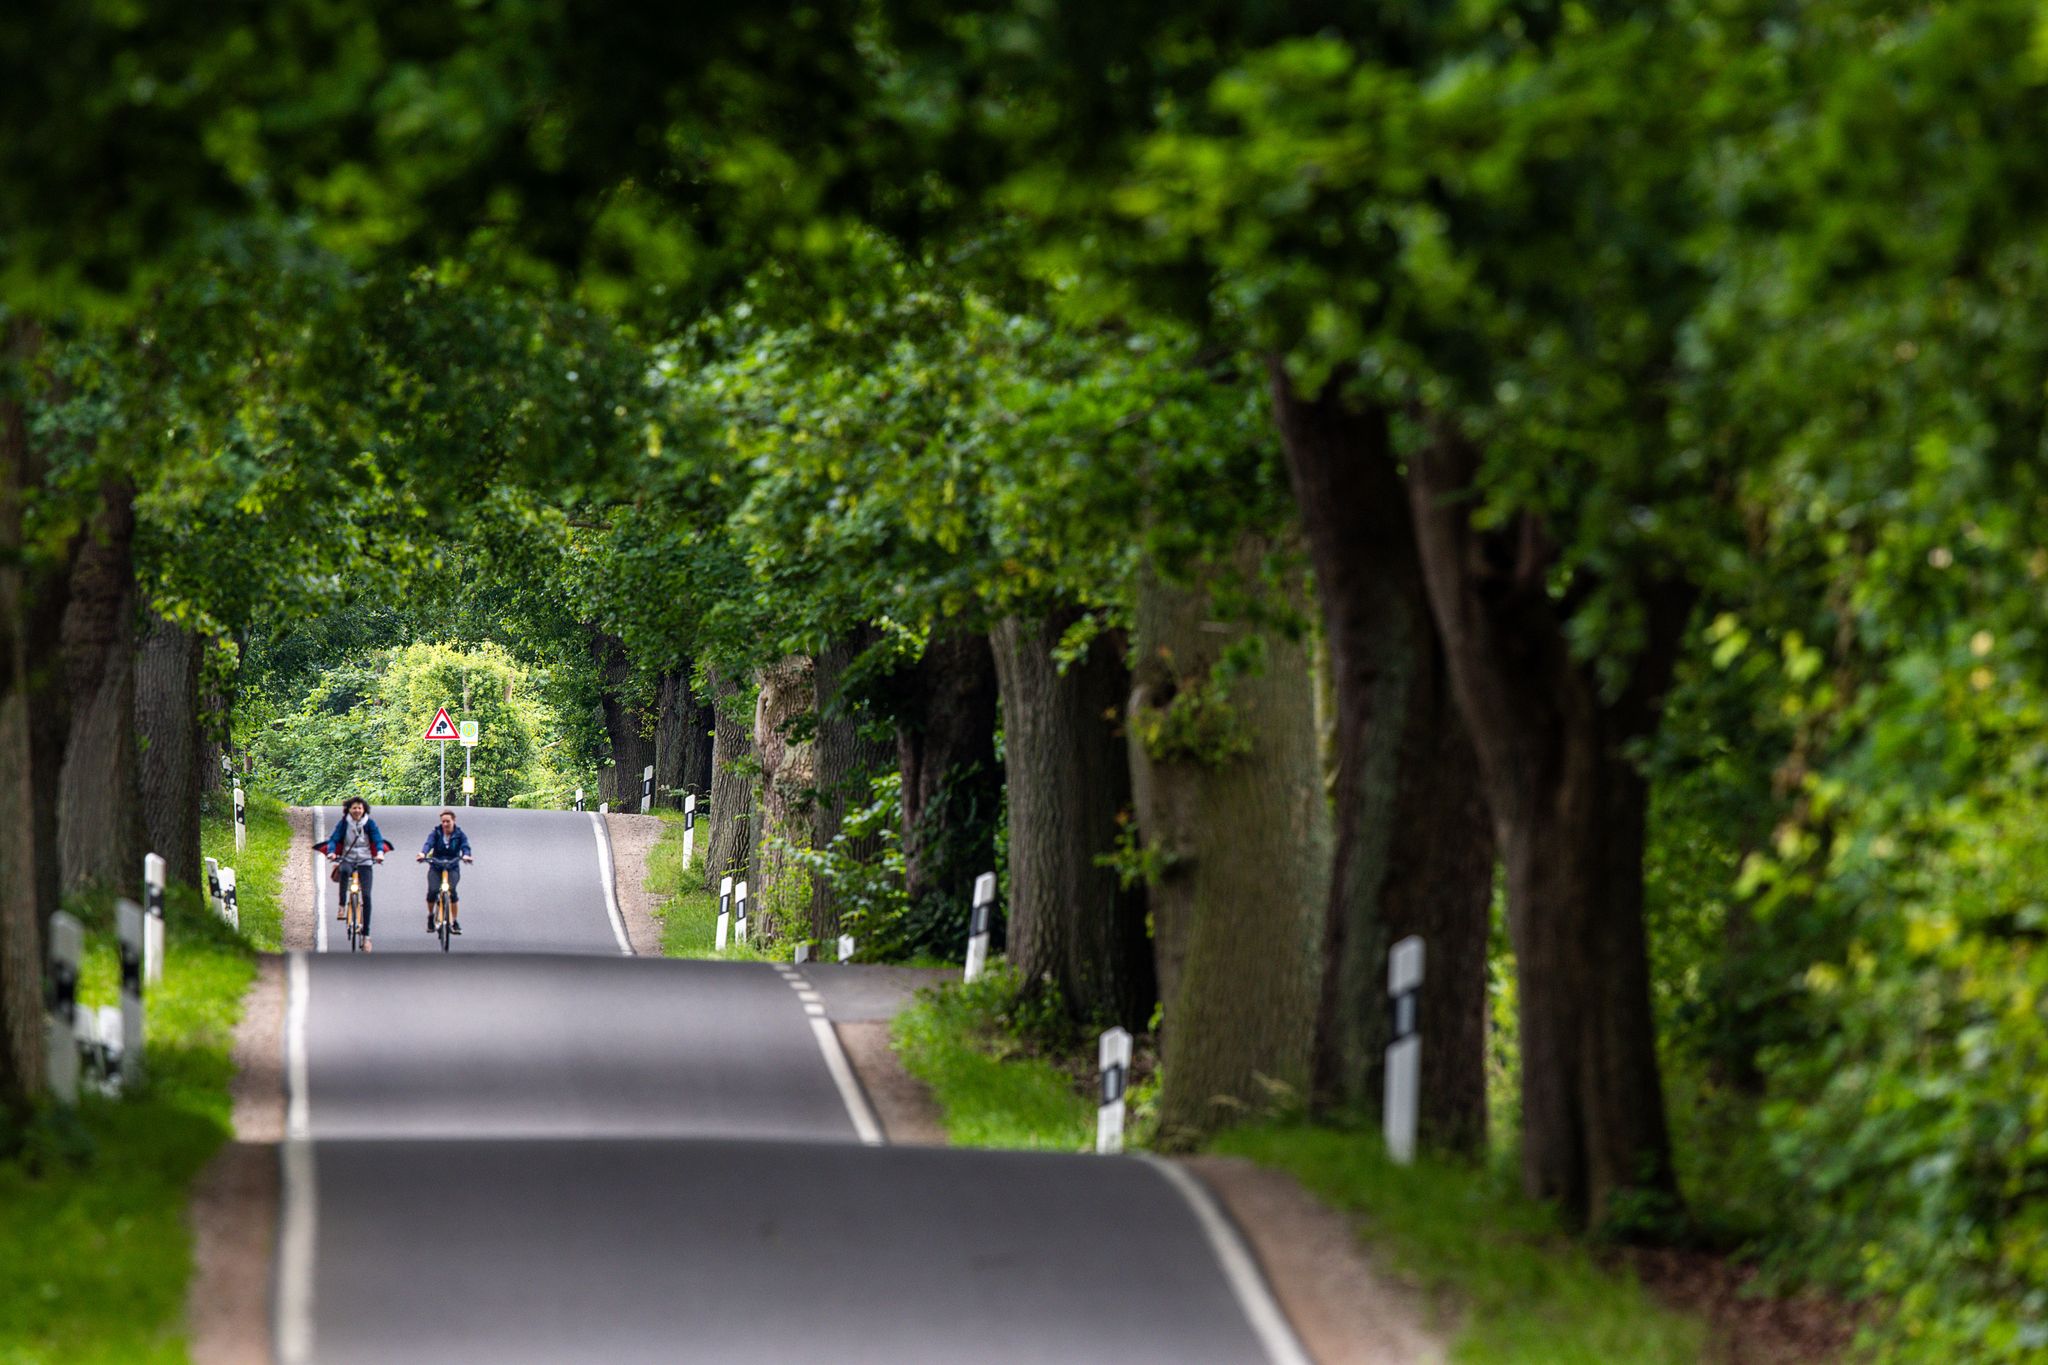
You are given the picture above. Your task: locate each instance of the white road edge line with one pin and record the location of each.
(1268, 1323)
(320, 880)
(850, 1094)
(298, 1219)
(611, 896)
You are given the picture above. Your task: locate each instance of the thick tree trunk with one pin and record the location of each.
(788, 777)
(847, 757)
(1073, 925)
(23, 849)
(1568, 808)
(734, 767)
(952, 786)
(1414, 848)
(625, 725)
(167, 721)
(99, 819)
(697, 742)
(1225, 776)
(671, 707)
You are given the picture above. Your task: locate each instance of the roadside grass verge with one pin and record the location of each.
(689, 912)
(94, 1249)
(258, 869)
(990, 1090)
(1519, 1290)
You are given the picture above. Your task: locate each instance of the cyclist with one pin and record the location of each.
(356, 846)
(446, 849)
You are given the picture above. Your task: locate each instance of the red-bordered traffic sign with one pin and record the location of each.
(443, 727)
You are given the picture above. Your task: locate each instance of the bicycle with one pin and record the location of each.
(443, 919)
(355, 910)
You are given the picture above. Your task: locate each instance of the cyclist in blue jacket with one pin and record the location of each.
(356, 846)
(446, 849)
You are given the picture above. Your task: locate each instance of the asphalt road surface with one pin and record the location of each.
(536, 1148)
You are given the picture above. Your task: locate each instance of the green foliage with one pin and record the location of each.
(95, 1240)
(873, 906)
(961, 1042)
(358, 730)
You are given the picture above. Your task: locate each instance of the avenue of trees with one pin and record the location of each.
(1564, 481)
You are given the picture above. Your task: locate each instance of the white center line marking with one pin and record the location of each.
(815, 1011)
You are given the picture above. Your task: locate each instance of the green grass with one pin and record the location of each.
(989, 1091)
(94, 1251)
(1520, 1289)
(689, 917)
(257, 869)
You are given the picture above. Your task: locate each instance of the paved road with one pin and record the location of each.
(565, 1154)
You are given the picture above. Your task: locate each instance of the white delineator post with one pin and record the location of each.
(604, 808)
(128, 919)
(800, 954)
(724, 910)
(213, 882)
(230, 907)
(846, 947)
(1404, 1053)
(1114, 1059)
(647, 789)
(67, 949)
(689, 829)
(739, 910)
(978, 924)
(153, 876)
(241, 820)
(579, 798)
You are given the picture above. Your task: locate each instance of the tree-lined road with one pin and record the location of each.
(535, 1148)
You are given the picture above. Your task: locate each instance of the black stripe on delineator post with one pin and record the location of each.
(1113, 1055)
(1404, 1052)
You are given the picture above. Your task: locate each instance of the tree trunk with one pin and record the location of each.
(1225, 779)
(1074, 926)
(847, 758)
(952, 787)
(1568, 807)
(23, 848)
(733, 769)
(788, 776)
(625, 725)
(99, 821)
(1414, 849)
(167, 720)
(671, 704)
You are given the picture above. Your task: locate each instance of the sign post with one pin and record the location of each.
(468, 730)
(647, 789)
(241, 819)
(689, 830)
(153, 928)
(978, 924)
(128, 920)
(1114, 1058)
(724, 910)
(60, 1027)
(441, 730)
(1404, 1054)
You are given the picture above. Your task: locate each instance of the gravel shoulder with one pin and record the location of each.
(297, 901)
(632, 836)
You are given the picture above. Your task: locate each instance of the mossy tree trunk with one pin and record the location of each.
(734, 768)
(788, 777)
(99, 821)
(1073, 925)
(1414, 848)
(167, 720)
(1225, 775)
(849, 754)
(952, 786)
(1569, 808)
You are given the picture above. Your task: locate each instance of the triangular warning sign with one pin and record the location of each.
(442, 728)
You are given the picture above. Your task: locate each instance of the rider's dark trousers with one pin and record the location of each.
(362, 872)
(454, 883)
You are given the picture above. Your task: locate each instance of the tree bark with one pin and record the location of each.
(671, 707)
(99, 821)
(788, 777)
(1414, 849)
(847, 759)
(24, 847)
(952, 786)
(1234, 819)
(1568, 807)
(1074, 926)
(625, 725)
(167, 720)
(733, 770)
